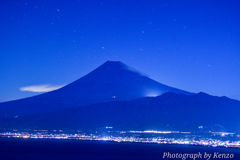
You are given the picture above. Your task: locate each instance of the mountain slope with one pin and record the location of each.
(112, 81)
(169, 111)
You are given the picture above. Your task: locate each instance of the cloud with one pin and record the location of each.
(41, 88)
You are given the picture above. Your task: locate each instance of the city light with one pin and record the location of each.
(157, 140)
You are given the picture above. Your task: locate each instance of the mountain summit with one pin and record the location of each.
(112, 81)
(116, 81)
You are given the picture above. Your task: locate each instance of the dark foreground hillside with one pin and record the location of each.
(169, 111)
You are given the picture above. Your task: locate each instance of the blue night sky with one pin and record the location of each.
(190, 45)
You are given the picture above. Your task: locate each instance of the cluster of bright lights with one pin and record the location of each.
(152, 131)
(109, 127)
(223, 133)
(158, 140)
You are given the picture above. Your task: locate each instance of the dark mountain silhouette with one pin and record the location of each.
(169, 111)
(112, 81)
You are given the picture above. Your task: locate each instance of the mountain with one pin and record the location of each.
(112, 81)
(169, 111)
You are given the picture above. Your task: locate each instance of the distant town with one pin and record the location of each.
(212, 139)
